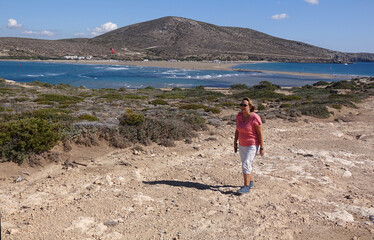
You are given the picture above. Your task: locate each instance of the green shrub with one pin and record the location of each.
(156, 130)
(290, 98)
(194, 119)
(336, 106)
(239, 86)
(315, 110)
(20, 99)
(119, 96)
(88, 117)
(266, 85)
(261, 106)
(321, 83)
(229, 104)
(212, 110)
(132, 119)
(6, 90)
(258, 94)
(285, 105)
(344, 85)
(25, 136)
(41, 84)
(159, 102)
(61, 99)
(192, 106)
(149, 88)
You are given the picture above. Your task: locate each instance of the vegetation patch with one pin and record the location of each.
(159, 102)
(88, 117)
(315, 110)
(27, 136)
(61, 99)
(132, 119)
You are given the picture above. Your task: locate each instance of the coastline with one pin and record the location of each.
(217, 66)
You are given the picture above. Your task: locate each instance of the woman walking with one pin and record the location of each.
(249, 133)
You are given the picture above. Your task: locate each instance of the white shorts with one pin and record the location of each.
(247, 155)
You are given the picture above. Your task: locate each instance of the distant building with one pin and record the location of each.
(77, 57)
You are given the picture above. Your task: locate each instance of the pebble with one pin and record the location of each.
(347, 173)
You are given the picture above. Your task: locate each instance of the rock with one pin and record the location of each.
(11, 231)
(215, 122)
(371, 218)
(111, 223)
(340, 215)
(347, 173)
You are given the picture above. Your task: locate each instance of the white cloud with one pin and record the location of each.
(12, 23)
(41, 33)
(47, 33)
(312, 1)
(80, 34)
(279, 16)
(106, 27)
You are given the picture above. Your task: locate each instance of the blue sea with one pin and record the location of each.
(131, 77)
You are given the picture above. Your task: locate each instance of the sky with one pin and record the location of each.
(340, 25)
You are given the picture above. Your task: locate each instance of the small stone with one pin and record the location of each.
(111, 223)
(347, 173)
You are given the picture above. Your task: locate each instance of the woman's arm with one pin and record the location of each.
(260, 139)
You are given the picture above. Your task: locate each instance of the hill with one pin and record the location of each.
(178, 38)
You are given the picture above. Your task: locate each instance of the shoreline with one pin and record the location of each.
(215, 66)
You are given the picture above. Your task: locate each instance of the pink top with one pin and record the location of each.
(247, 130)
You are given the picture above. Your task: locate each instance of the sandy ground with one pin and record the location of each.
(315, 182)
(223, 66)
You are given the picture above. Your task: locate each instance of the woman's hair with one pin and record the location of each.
(250, 103)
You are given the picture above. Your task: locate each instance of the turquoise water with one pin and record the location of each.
(117, 76)
(355, 69)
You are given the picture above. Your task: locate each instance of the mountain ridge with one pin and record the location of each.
(178, 38)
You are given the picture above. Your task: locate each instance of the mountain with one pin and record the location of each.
(179, 38)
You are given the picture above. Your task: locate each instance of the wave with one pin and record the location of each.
(35, 75)
(116, 68)
(83, 76)
(54, 74)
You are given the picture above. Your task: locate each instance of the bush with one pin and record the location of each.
(266, 85)
(61, 99)
(159, 102)
(285, 105)
(290, 98)
(27, 136)
(212, 110)
(192, 106)
(119, 96)
(321, 83)
(239, 86)
(261, 106)
(344, 85)
(88, 117)
(258, 94)
(132, 119)
(315, 110)
(149, 88)
(156, 130)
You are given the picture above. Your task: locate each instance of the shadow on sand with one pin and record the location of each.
(195, 185)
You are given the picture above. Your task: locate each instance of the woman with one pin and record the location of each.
(249, 133)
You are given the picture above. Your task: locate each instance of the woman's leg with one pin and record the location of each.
(248, 178)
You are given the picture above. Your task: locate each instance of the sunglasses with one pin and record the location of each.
(243, 105)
